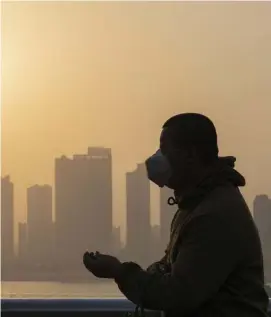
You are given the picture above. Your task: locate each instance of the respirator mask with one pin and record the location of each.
(158, 169)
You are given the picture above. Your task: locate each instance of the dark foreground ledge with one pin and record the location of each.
(73, 307)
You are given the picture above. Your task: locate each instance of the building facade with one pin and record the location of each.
(7, 223)
(262, 217)
(22, 245)
(138, 237)
(39, 225)
(83, 206)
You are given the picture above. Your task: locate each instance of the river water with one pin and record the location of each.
(59, 290)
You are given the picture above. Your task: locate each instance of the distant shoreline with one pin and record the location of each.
(66, 289)
(82, 280)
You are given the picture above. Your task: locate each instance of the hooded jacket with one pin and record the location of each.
(213, 265)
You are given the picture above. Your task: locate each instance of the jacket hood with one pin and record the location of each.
(224, 172)
(219, 174)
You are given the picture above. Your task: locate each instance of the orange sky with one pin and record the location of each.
(81, 74)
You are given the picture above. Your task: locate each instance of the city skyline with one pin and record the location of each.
(132, 178)
(154, 194)
(161, 203)
(83, 184)
(51, 249)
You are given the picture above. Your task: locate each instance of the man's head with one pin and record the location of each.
(188, 145)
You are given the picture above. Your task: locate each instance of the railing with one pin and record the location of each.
(73, 307)
(117, 307)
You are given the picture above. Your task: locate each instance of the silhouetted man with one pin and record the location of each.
(213, 265)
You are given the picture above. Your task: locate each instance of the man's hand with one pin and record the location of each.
(102, 265)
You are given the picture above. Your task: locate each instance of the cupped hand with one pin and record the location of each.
(102, 265)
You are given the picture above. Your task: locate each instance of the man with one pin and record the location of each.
(213, 265)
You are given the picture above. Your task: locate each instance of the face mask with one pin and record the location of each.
(158, 169)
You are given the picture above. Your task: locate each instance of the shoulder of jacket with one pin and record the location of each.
(222, 202)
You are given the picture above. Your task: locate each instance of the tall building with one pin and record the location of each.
(166, 215)
(262, 217)
(7, 223)
(116, 247)
(22, 246)
(83, 205)
(138, 215)
(39, 225)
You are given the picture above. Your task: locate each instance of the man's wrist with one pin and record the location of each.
(118, 270)
(125, 269)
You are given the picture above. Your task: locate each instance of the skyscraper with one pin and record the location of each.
(116, 247)
(22, 247)
(138, 215)
(166, 215)
(7, 223)
(39, 225)
(262, 216)
(83, 205)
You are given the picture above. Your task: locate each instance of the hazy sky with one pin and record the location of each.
(81, 74)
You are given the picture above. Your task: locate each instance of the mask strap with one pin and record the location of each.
(172, 201)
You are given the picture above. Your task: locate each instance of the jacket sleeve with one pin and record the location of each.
(207, 255)
(159, 266)
(162, 266)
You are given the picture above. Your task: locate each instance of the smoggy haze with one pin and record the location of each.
(84, 74)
